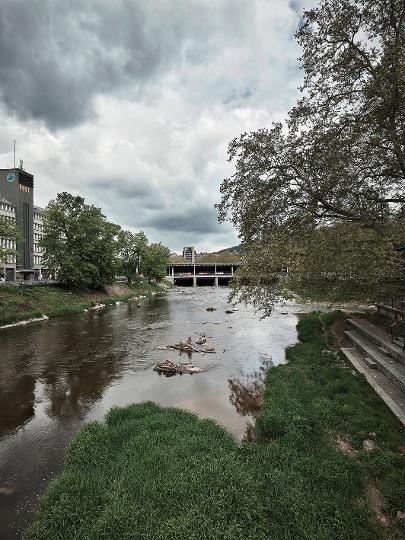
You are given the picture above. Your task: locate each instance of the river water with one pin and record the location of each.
(59, 374)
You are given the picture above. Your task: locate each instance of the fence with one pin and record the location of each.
(396, 303)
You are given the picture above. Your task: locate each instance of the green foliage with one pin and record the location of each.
(155, 259)
(343, 262)
(323, 195)
(152, 472)
(225, 256)
(132, 248)
(79, 243)
(10, 232)
(309, 328)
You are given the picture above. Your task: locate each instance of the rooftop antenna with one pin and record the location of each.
(14, 155)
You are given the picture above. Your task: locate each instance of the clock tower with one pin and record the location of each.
(17, 187)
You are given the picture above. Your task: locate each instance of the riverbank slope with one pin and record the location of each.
(18, 304)
(328, 462)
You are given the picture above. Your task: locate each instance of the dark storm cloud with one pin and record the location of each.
(123, 188)
(56, 55)
(131, 103)
(200, 220)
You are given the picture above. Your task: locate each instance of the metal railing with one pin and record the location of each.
(397, 303)
(398, 333)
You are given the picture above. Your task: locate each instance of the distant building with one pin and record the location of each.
(17, 203)
(189, 254)
(8, 268)
(38, 234)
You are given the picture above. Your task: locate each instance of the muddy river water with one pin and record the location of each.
(59, 374)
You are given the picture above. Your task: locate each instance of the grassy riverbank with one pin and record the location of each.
(149, 472)
(17, 304)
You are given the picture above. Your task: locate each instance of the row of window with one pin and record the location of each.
(37, 259)
(38, 227)
(37, 236)
(38, 216)
(6, 243)
(6, 207)
(37, 248)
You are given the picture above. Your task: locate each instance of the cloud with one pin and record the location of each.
(56, 56)
(132, 103)
(200, 220)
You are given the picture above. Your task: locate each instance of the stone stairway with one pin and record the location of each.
(382, 362)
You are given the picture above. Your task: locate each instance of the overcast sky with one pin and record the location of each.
(131, 103)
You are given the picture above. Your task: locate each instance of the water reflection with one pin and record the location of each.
(22, 410)
(246, 398)
(57, 375)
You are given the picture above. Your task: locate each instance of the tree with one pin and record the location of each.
(9, 235)
(153, 264)
(340, 157)
(79, 243)
(131, 250)
(225, 256)
(343, 262)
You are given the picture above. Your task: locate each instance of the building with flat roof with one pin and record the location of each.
(17, 202)
(38, 228)
(8, 267)
(189, 254)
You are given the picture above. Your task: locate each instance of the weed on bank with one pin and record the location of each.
(23, 303)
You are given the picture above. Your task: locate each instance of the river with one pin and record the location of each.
(59, 374)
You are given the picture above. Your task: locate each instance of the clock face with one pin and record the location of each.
(10, 177)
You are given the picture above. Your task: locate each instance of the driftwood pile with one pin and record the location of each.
(169, 368)
(188, 347)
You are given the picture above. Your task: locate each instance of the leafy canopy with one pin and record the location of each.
(79, 242)
(8, 233)
(132, 248)
(155, 259)
(340, 157)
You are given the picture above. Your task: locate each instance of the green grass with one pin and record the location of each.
(17, 304)
(149, 472)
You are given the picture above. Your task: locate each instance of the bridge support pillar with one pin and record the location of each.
(216, 281)
(194, 281)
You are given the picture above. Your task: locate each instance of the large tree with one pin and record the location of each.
(340, 156)
(79, 243)
(154, 261)
(131, 250)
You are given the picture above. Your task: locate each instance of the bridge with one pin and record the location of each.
(200, 274)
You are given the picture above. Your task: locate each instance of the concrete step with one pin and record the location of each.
(371, 364)
(400, 342)
(379, 337)
(391, 394)
(391, 312)
(391, 368)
